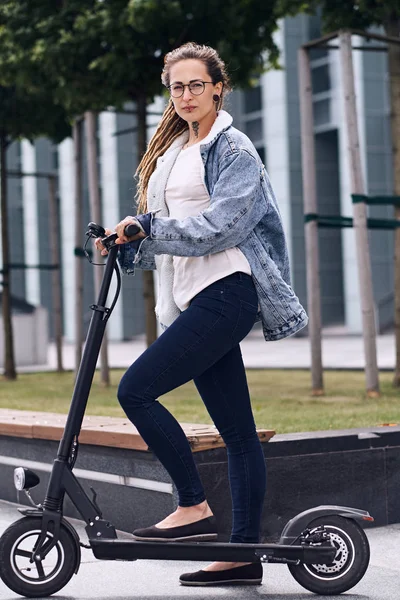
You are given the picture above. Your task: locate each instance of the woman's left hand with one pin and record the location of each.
(99, 246)
(120, 228)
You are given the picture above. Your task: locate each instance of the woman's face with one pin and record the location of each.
(191, 106)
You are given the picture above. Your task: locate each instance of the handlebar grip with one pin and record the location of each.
(131, 230)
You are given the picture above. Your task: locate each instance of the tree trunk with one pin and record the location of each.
(392, 27)
(9, 360)
(77, 136)
(54, 236)
(360, 218)
(311, 228)
(148, 278)
(95, 212)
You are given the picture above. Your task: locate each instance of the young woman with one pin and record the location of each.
(211, 226)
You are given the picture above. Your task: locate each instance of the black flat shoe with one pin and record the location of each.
(204, 530)
(246, 575)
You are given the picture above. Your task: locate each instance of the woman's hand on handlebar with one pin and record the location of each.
(122, 238)
(120, 231)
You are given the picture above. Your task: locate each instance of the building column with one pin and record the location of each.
(67, 209)
(30, 221)
(110, 204)
(276, 135)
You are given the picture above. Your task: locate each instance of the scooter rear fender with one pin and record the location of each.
(294, 528)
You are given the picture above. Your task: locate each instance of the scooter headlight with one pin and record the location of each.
(19, 478)
(25, 479)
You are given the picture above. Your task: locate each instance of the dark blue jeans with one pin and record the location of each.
(203, 344)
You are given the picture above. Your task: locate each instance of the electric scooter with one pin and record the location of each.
(325, 548)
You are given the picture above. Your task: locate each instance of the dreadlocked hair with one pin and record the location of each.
(172, 125)
(169, 128)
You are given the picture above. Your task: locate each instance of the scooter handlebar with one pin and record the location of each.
(131, 230)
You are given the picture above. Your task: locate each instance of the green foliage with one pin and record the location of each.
(31, 115)
(241, 31)
(97, 53)
(52, 44)
(89, 54)
(354, 14)
(26, 113)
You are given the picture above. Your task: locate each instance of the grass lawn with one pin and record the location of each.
(281, 399)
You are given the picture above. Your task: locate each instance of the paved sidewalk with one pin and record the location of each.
(338, 352)
(152, 580)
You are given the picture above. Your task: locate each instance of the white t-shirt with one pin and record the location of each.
(186, 195)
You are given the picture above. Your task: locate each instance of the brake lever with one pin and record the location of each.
(109, 241)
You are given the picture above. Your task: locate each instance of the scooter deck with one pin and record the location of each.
(123, 549)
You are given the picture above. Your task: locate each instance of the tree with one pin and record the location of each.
(22, 115)
(362, 14)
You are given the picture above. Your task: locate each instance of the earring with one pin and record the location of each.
(216, 98)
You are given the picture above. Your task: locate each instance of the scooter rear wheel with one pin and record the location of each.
(349, 565)
(35, 579)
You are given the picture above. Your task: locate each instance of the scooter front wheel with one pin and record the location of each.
(350, 562)
(35, 578)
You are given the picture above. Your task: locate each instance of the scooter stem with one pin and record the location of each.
(89, 360)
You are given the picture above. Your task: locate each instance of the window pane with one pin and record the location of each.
(321, 81)
(314, 26)
(322, 113)
(55, 158)
(252, 99)
(253, 129)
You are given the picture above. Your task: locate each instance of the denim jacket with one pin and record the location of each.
(243, 212)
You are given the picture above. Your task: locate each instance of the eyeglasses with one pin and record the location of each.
(195, 87)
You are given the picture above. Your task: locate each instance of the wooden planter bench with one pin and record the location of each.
(103, 431)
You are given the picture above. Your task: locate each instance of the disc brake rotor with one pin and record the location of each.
(341, 556)
(344, 557)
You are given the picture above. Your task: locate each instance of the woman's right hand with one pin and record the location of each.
(99, 246)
